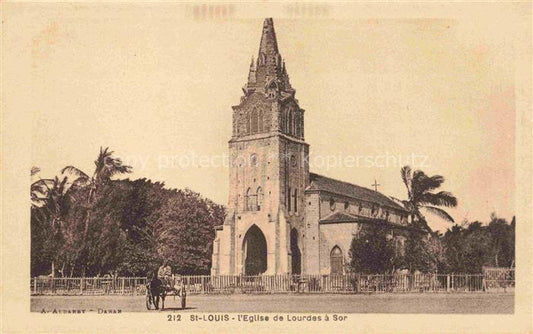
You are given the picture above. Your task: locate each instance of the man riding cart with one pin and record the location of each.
(164, 273)
(162, 285)
(169, 281)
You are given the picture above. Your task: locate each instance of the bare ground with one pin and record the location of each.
(473, 303)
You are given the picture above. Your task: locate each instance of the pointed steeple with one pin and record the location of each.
(269, 66)
(269, 44)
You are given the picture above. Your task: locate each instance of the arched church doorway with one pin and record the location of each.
(254, 250)
(296, 254)
(336, 261)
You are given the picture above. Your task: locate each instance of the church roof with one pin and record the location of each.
(340, 217)
(343, 217)
(323, 183)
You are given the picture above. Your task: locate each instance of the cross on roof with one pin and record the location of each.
(375, 185)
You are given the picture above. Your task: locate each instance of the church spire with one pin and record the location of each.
(269, 66)
(269, 44)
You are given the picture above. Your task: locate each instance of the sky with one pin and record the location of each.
(157, 86)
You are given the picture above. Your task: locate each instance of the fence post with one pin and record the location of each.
(122, 289)
(453, 283)
(81, 286)
(448, 283)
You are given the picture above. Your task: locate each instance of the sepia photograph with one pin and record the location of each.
(269, 164)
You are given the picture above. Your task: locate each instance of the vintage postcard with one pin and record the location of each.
(295, 167)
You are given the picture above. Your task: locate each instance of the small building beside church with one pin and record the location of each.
(282, 218)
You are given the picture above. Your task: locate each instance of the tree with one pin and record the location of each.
(420, 193)
(48, 213)
(127, 226)
(39, 189)
(106, 166)
(371, 252)
(470, 247)
(502, 241)
(182, 231)
(417, 256)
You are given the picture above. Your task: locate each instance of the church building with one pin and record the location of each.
(282, 218)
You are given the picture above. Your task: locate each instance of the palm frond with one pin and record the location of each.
(119, 168)
(76, 172)
(62, 185)
(108, 166)
(431, 182)
(407, 178)
(38, 201)
(40, 184)
(35, 170)
(417, 188)
(439, 212)
(442, 198)
(101, 160)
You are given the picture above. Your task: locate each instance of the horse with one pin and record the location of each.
(157, 290)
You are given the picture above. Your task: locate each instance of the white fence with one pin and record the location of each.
(88, 286)
(262, 284)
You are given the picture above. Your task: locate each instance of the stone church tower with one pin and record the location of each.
(282, 218)
(269, 173)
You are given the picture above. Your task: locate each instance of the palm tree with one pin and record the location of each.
(49, 197)
(39, 189)
(420, 189)
(106, 167)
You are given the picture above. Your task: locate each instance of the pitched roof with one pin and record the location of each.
(323, 183)
(339, 217)
(343, 217)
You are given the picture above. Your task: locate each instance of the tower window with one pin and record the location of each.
(254, 121)
(289, 199)
(272, 92)
(291, 123)
(294, 124)
(259, 198)
(299, 125)
(295, 200)
(260, 121)
(294, 162)
(251, 200)
(247, 121)
(288, 122)
(346, 206)
(248, 200)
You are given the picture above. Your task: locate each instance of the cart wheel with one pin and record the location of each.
(148, 301)
(183, 299)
